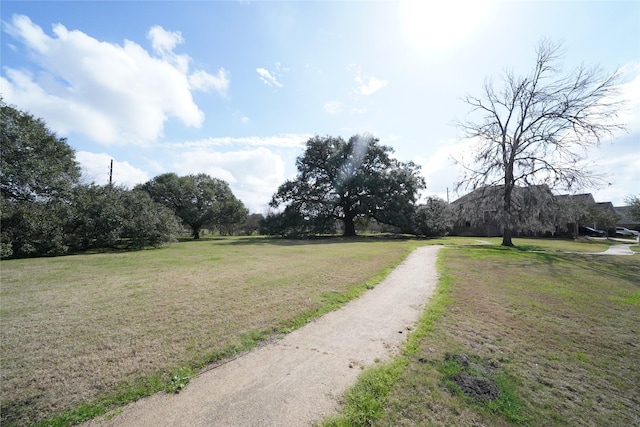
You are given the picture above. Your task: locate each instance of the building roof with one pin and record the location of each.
(624, 213)
(606, 206)
(585, 197)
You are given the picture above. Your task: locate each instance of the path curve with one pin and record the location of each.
(299, 379)
(617, 249)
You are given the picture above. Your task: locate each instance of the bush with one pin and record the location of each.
(435, 218)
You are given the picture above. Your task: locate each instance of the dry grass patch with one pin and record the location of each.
(77, 327)
(557, 333)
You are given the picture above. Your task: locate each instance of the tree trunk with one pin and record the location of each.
(507, 222)
(506, 237)
(349, 227)
(196, 233)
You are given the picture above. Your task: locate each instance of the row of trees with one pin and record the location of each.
(47, 210)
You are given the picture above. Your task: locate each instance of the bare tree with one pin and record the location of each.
(538, 128)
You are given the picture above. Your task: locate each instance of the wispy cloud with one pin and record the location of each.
(203, 81)
(272, 78)
(283, 140)
(268, 78)
(367, 85)
(114, 94)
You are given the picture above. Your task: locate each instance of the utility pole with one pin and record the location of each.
(111, 173)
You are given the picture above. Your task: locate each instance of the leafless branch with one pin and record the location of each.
(538, 127)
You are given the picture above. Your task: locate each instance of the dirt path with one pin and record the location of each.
(298, 380)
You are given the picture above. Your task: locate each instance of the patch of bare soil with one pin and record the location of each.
(474, 381)
(298, 380)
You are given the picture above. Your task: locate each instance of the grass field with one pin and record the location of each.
(521, 339)
(82, 334)
(106, 328)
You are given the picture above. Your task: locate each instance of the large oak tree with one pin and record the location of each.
(537, 129)
(38, 171)
(198, 200)
(35, 164)
(342, 180)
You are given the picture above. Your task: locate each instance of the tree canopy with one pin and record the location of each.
(536, 129)
(198, 200)
(634, 207)
(434, 218)
(47, 211)
(342, 180)
(34, 162)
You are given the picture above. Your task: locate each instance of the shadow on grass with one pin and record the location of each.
(622, 267)
(311, 240)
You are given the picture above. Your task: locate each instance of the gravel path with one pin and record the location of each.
(299, 379)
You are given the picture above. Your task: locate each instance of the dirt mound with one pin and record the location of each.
(479, 389)
(475, 380)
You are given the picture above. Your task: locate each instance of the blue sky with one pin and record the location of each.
(234, 89)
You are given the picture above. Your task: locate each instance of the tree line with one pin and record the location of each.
(47, 210)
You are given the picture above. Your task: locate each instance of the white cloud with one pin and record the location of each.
(95, 168)
(367, 85)
(114, 94)
(618, 161)
(201, 80)
(283, 140)
(280, 68)
(22, 28)
(440, 172)
(272, 78)
(630, 93)
(372, 86)
(253, 175)
(268, 78)
(163, 42)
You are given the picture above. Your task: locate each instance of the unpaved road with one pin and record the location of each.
(299, 379)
